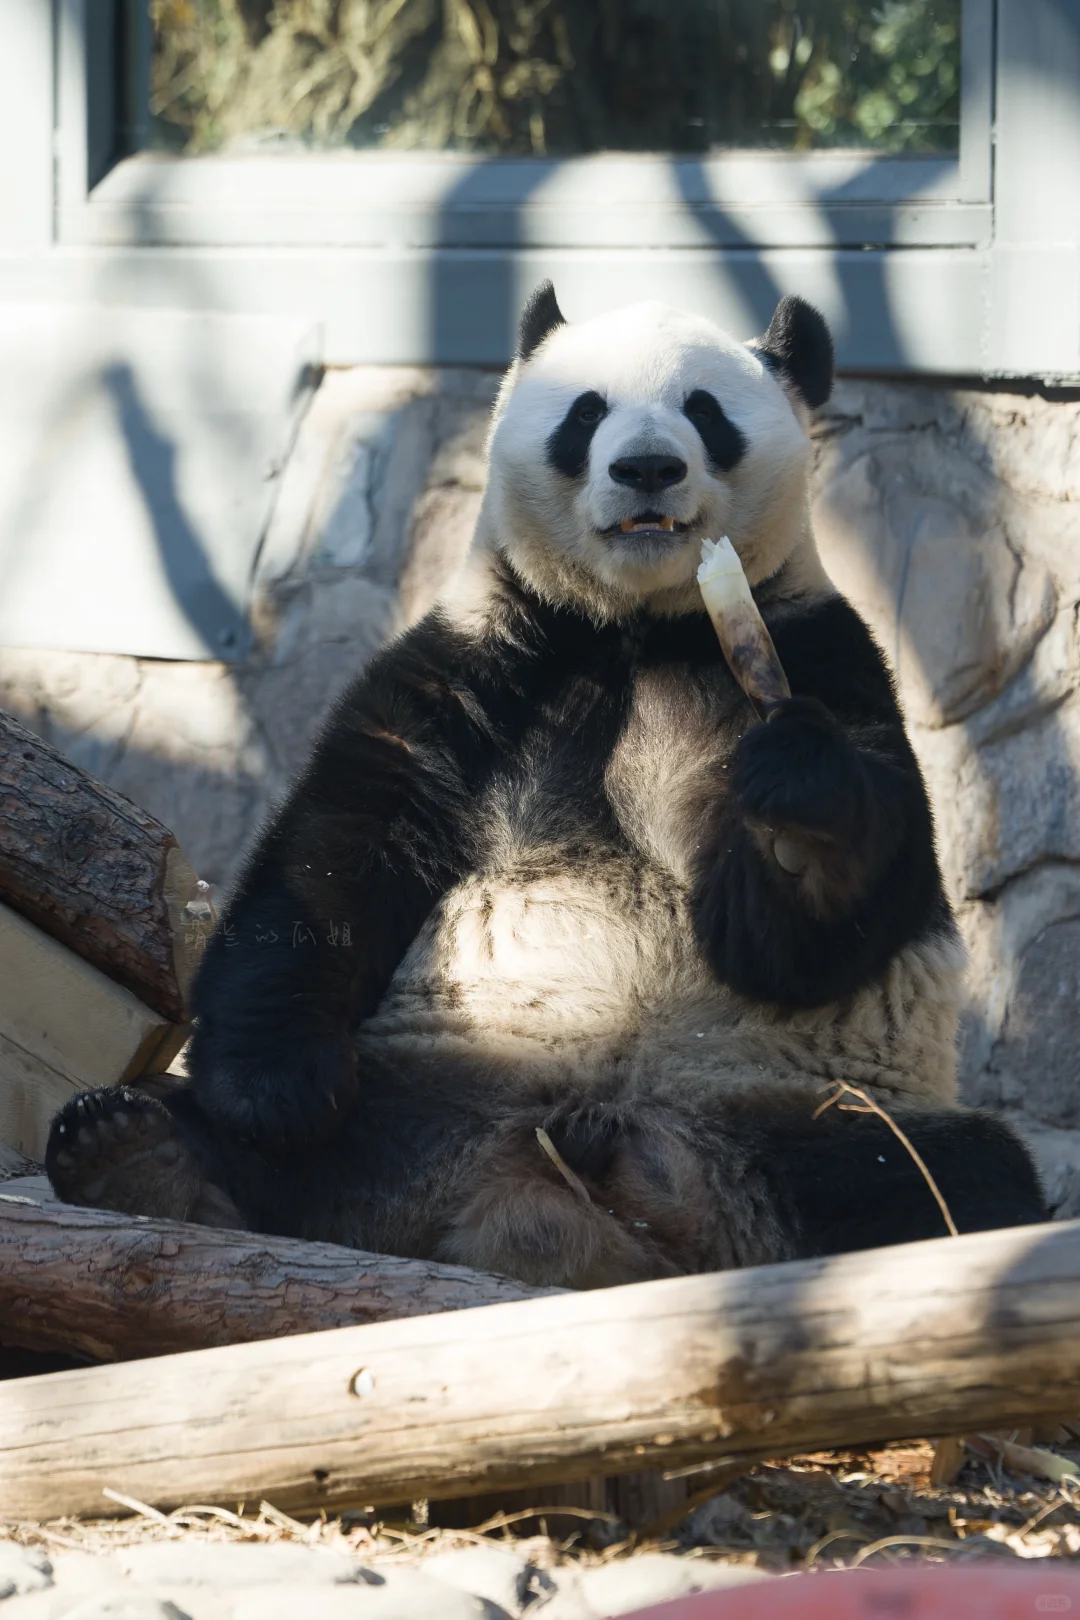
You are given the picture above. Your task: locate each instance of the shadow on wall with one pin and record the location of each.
(174, 735)
(474, 301)
(860, 291)
(210, 610)
(393, 460)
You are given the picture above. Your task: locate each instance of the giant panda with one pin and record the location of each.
(537, 877)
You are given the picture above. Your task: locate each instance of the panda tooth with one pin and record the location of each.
(626, 525)
(667, 523)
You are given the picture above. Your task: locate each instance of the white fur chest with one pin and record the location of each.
(591, 977)
(549, 957)
(570, 956)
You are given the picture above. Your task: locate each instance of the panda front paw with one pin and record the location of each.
(797, 770)
(282, 1095)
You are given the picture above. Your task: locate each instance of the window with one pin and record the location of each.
(403, 171)
(556, 78)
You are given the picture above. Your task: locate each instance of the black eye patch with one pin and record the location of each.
(568, 446)
(724, 444)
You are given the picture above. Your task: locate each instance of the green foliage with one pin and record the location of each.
(558, 76)
(885, 75)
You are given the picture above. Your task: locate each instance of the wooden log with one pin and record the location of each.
(96, 872)
(111, 1288)
(949, 1336)
(90, 1283)
(63, 1027)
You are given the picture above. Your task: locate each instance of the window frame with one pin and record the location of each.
(425, 200)
(905, 254)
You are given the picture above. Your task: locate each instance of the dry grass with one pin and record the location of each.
(831, 1510)
(845, 1509)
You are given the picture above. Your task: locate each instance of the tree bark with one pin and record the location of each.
(931, 1338)
(99, 874)
(112, 1288)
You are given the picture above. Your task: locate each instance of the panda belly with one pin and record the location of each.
(561, 988)
(546, 965)
(565, 976)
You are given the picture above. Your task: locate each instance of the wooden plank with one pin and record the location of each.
(951, 1336)
(30, 1094)
(58, 1008)
(64, 1027)
(96, 872)
(111, 1288)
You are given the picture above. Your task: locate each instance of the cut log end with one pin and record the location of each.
(90, 868)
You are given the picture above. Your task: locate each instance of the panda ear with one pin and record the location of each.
(540, 317)
(798, 346)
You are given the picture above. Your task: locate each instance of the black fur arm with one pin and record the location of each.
(374, 832)
(820, 863)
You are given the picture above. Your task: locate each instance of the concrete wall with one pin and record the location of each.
(949, 517)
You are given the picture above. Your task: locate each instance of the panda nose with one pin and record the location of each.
(648, 473)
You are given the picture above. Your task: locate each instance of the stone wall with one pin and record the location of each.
(950, 519)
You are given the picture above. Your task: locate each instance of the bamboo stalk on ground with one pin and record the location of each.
(951, 1336)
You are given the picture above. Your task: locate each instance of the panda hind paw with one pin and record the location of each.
(118, 1148)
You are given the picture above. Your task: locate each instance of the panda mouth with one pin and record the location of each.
(647, 523)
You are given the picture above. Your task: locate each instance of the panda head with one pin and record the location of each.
(620, 442)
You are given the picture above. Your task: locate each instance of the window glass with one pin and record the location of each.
(555, 77)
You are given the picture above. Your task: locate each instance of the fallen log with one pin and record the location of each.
(112, 1288)
(955, 1335)
(97, 873)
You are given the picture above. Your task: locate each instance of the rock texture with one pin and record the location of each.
(200, 1580)
(951, 520)
(950, 517)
